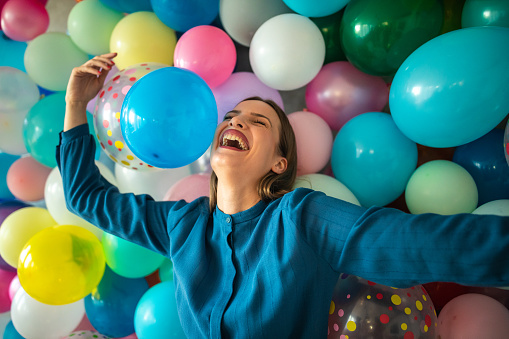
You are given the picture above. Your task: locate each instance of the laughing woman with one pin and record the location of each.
(258, 260)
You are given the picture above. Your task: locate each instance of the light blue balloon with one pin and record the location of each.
(311, 8)
(12, 53)
(168, 117)
(6, 160)
(453, 89)
(156, 315)
(10, 332)
(42, 125)
(373, 158)
(184, 15)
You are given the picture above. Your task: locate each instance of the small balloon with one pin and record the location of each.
(26, 179)
(23, 20)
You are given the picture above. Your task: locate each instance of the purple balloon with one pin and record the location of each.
(6, 208)
(239, 86)
(340, 92)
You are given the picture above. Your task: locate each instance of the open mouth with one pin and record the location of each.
(234, 139)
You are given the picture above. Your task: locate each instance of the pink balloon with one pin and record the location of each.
(314, 141)
(14, 287)
(189, 188)
(26, 179)
(208, 51)
(5, 280)
(23, 20)
(340, 92)
(473, 316)
(239, 86)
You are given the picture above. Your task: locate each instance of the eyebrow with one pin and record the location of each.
(252, 113)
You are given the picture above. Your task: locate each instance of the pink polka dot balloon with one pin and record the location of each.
(107, 114)
(363, 309)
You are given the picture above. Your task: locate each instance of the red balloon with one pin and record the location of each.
(23, 20)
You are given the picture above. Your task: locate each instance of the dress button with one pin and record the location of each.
(228, 220)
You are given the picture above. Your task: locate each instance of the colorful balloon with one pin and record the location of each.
(316, 9)
(189, 188)
(506, 143)
(7, 208)
(6, 160)
(6, 278)
(436, 101)
(364, 309)
(12, 52)
(128, 6)
(11, 132)
(328, 185)
(330, 27)
(378, 35)
(497, 207)
(107, 115)
(166, 270)
(279, 60)
(485, 13)
(23, 20)
(18, 93)
(85, 335)
(155, 117)
(26, 179)
(11, 333)
(182, 16)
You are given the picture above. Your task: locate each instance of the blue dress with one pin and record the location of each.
(269, 271)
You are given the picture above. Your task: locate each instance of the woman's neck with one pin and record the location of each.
(236, 197)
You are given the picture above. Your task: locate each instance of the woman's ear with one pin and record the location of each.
(280, 166)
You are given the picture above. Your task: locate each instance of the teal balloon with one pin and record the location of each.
(12, 52)
(166, 271)
(453, 89)
(6, 160)
(156, 315)
(378, 35)
(42, 126)
(485, 13)
(311, 8)
(373, 158)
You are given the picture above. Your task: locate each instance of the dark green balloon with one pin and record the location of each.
(330, 26)
(378, 35)
(485, 13)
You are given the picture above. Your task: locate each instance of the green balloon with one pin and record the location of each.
(42, 125)
(330, 26)
(166, 270)
(378, 35)
(485, 13)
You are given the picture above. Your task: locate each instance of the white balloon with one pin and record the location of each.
(496, 207)
(35, 320)
(287, 51)
(155, 183)
(11, 133)
(18, 92)
(328, 185)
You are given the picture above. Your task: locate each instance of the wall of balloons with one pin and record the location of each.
(405, 106)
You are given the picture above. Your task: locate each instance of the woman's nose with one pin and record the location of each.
(236, 122)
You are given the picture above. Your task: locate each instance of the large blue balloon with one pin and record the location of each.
(168, 117)
(128, 6)
(6, 161)
(373, 158)
(110, 307)
(184, 15)
(453, 89)
(485, 161)
(311, 8)
(12, 53)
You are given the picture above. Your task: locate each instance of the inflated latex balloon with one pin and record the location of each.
(6, 208)
(484, 159)
(316, 9)
(496, 207)
(241, 19)
(436, 101)
(110, 307)
(328, 185)
(373, 158)
(240, 86)
(189, 188)
(202, 164)
(166, 271)
(330, 27)
(18, 93)
(23, 20)
(506, 143)
(378, 35)
(6, 278)
(364, 309)
(87, 334)
(50, 58)
(14, 287)
(184, 15)
(11, 133)
(12, 52)
(92, 103)
(128, 6)
(485, 13)
(207, 51)
(280, 60)
(107, 115)
(156, 315)
(90, 24)
(36, 320)
(141, 37)
(6, 160)
(61, 264)
(156, 113)
(43, 124)
(26, 179)
(129, 259)
(10, 331)
(314, 141)
(473, 315)
(340, 92)
(441, 187)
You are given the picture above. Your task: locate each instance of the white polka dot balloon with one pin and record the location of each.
(107, 114)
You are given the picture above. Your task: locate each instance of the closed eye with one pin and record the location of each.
(260, 122)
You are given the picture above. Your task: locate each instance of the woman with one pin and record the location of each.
(262, 260)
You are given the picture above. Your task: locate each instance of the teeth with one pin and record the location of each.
(234, 138)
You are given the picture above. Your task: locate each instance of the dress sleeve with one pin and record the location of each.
(137, 218)
(397, 249)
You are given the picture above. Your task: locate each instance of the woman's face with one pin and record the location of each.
(247, 141)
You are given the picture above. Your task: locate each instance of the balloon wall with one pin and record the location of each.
(393, 103)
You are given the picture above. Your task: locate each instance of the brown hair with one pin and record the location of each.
(272, 185)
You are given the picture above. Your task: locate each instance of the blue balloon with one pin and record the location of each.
(11, 333)
(168, 117)
(373, 158)
(128, 6)
(12, 53)
(110, 307)
(6, 161)
(484, 159)
(184, 15)
(312, 8)
(157, 314)
(453, 89)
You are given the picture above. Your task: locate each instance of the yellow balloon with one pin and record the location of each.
(141, 37)
(18, 228)
(61, 264)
